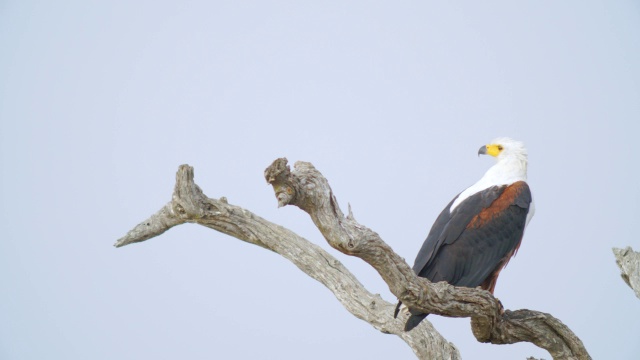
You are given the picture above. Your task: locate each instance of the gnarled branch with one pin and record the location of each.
(189, 204)
(306, 188)
(629, 264)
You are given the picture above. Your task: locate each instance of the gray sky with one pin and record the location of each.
(101, 101)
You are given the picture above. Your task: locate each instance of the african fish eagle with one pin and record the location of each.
(474, 237)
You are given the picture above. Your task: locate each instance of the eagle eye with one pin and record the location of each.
(500, 147)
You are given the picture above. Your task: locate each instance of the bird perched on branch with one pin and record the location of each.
(474, 237)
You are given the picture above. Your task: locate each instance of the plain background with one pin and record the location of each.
(101, 101)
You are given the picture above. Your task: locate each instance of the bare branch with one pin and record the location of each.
(306, 188)
(156, 225)
(629, 264)
(189, 204)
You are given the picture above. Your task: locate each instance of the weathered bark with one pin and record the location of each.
(306, 188)
(629, 264)
(189, 204)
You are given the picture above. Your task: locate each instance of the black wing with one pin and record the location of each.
(449, 226)
(463, 248)
(469, 246)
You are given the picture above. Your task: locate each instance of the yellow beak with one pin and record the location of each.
(493, 150)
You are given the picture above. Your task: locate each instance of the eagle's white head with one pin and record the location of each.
(512, 161)
(505, 148)
(511, 167)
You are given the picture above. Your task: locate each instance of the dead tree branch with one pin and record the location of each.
(190, 205)
(629, 264)
(306, 188)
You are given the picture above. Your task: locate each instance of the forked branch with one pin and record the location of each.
(306, 188)
(189, 204)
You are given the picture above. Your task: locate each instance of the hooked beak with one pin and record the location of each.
(482, 151)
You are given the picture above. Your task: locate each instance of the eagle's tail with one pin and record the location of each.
(413, 320)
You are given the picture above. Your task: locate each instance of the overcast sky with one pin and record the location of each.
(100, 102)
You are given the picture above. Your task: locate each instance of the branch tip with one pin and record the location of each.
(629, 263)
